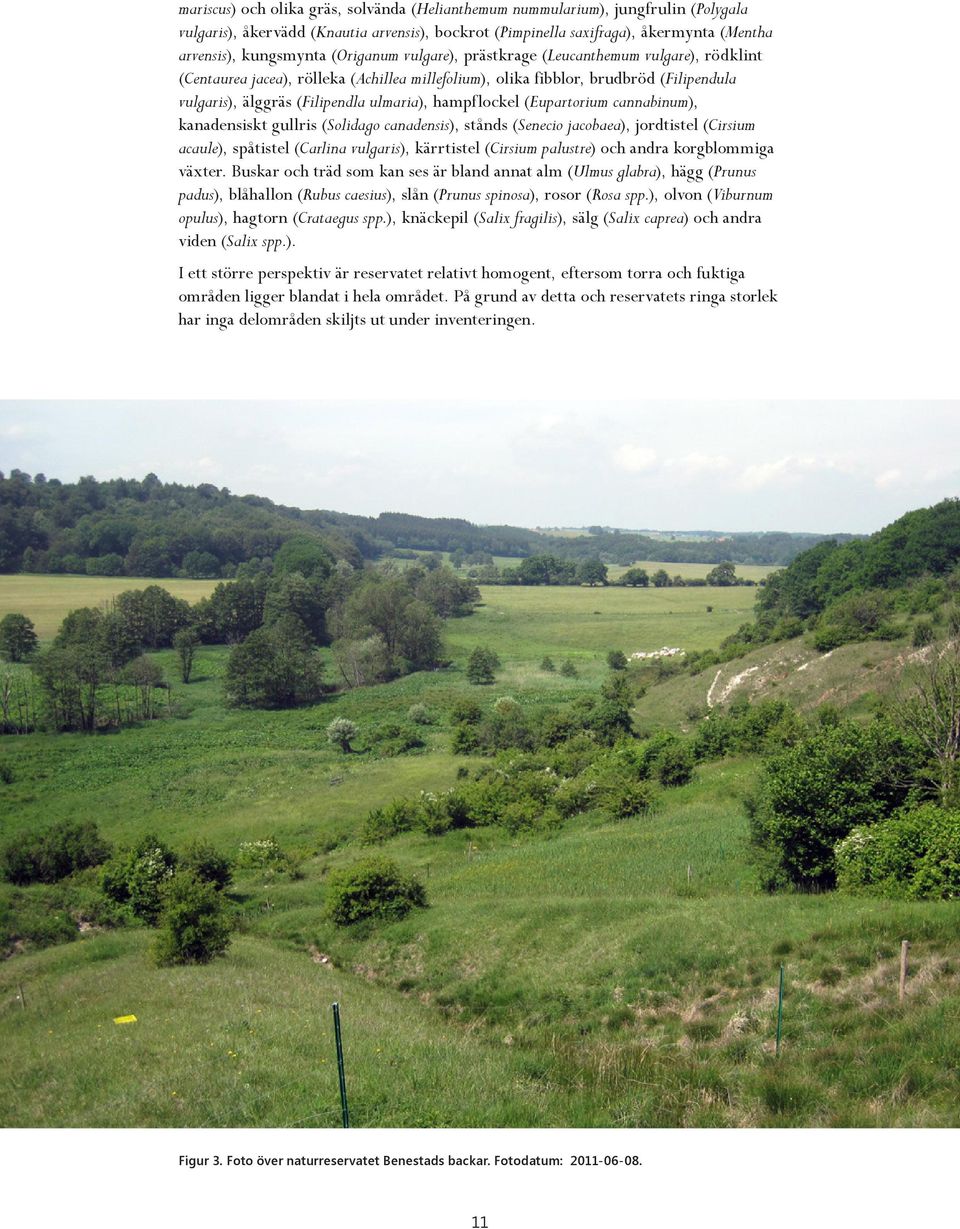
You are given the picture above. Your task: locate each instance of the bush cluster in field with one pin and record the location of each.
(507, 725)
(537, 791)
(85, 883)
(584, 756)
(371, 888)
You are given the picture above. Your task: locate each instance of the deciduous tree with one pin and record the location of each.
(18, 637)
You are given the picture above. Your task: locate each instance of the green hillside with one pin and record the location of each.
(606, 973)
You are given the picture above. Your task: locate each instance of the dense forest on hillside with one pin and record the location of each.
(926, 540)
(146, 527)
(143, 528)
(849, 591)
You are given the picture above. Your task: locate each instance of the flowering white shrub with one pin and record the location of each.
(265, 852)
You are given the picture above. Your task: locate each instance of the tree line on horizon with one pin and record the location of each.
(146, 527)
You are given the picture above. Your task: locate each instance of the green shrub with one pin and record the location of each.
(39, 916)
(393, 738)
(382, 823)
(913, 855)
(506, 728)
(548, 665)
(433, 815)
(46, 857)
(569, 669)
(617, 659)
(922, 633)
(557, 725)
(675, 764)
(828, 716)
(466, 712)
(419, 714)
(206, 864)
(6, 774)
(195, 922)
(812, 795)
(861, 615)
(372, 888)
(767, 726)
(464, 740)
(623, 799)
(649, 754)
(521, 815)
(574, 755)
(576, 795)
(609, 720)
(89, 904)
(786, 732)
(258, 855)
(136, 877)
(460, 808)
(828, 638)
(713, 738)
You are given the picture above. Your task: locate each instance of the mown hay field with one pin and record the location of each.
(47, 599)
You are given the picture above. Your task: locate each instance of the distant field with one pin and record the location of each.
(747, 571)
(522, 624)
(46, 599)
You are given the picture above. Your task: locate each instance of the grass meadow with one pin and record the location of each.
(524, 624)
(615, 974)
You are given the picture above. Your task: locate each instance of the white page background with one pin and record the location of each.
(862, 250)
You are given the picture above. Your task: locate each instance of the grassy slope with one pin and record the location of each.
(581, 981)
(244, 1042)
(851, 677)
(592, 978)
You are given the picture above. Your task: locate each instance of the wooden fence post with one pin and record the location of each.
(904, 948)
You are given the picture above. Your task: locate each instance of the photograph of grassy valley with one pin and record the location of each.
(615, 824)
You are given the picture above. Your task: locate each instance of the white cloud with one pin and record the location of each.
(635, 459)
(696, 464)
(337, 473)
(787, 471)
(889, 478)
(546, 423)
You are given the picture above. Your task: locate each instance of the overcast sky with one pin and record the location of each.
(817, 466)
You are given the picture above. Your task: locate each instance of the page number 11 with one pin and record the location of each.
(479, 1222)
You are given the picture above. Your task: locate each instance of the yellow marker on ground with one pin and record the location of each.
(124, 1019)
